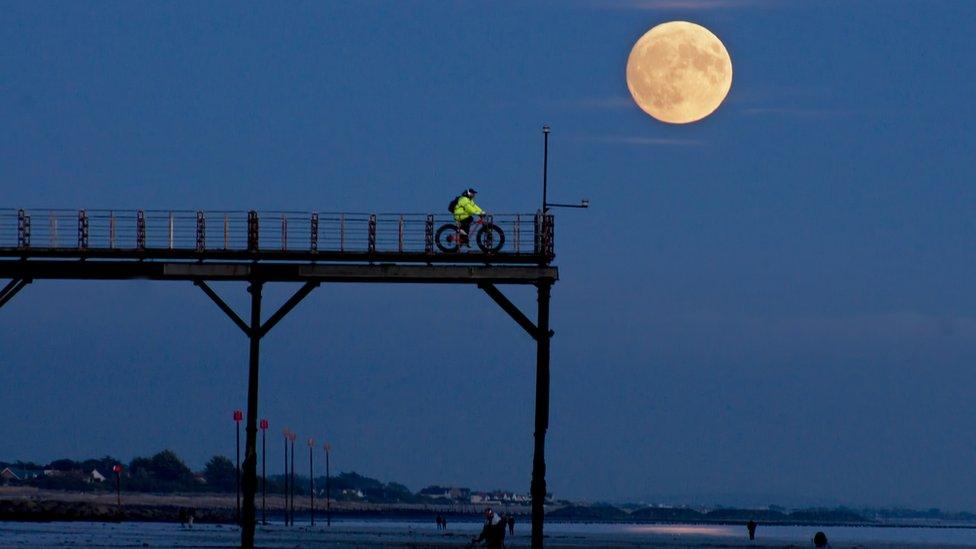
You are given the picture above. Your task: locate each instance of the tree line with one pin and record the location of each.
(166, 472)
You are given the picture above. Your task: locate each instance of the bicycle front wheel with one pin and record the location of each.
(491, 238)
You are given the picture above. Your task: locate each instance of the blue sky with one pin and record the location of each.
(772, 304)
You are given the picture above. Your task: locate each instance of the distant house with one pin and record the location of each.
(11, 474)
(509, 497)
(8, 474)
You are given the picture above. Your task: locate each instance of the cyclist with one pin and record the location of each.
(464, 209)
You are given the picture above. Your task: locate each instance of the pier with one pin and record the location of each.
(312, 248)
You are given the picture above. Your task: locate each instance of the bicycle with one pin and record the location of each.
(489, 237)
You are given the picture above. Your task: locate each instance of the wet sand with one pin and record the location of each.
(376, 534)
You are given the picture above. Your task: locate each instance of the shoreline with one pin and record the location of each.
(34, 505)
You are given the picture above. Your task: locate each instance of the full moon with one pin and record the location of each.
(679, 72)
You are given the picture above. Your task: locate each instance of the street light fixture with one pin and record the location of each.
(585, 203)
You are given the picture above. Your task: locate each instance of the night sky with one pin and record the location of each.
(772, 305)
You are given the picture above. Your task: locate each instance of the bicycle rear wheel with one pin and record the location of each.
(446, 238)
(490, 238)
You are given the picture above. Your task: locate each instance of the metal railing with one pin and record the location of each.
(253, 231)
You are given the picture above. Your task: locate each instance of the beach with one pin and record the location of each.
(45, 518)
(379, 533)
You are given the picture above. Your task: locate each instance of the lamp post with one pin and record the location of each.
(291, 438)
(328, 496)
(264, 472)
(117, 469)
(285, 432)
(545, 178)
(311, 484)
(238, 418)
(545, 168)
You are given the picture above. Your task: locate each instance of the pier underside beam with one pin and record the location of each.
(275, 272)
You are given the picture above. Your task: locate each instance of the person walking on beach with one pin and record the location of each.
(511, 525)
(751, 526)
(493, 533)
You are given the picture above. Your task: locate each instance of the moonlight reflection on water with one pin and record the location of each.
(682, 530)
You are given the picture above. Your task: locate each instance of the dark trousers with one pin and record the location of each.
(465, 225)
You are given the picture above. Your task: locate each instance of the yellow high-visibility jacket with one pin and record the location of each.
(465, 208)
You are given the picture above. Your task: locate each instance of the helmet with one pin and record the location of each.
(470, 192)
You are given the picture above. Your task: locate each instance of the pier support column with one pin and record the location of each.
(538, 489)
(254, 331)
(250, 471)
(542, 335)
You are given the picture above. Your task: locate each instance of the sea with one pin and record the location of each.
(417, 534)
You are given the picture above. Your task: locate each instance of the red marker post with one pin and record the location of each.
(292, 435)
(117, 469)
(286, 431)
(328, 495)
(264, 477)
(238, 418)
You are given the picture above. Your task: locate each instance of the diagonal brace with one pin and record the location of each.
(9, 286)
(11, 289)
(287, 307)
(223, 306)
(512, 310)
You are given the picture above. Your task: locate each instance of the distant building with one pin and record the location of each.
(436, 492)
(452, 493)
(502, 496)
(95, 476)
(12, 474)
